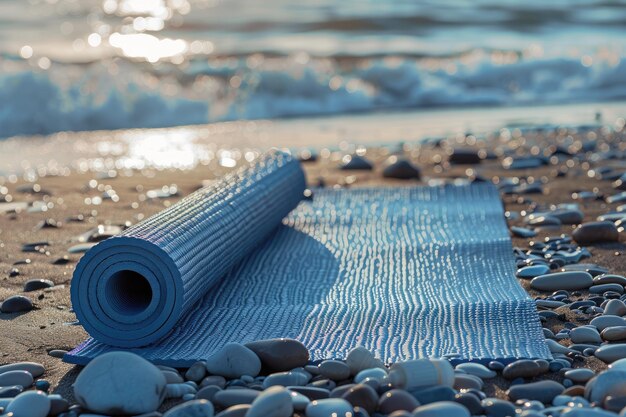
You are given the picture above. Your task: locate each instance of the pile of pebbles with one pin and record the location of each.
(274, 378)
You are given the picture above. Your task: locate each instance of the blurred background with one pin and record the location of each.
(110, 64)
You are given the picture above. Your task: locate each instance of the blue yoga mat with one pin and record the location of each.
(406, 272)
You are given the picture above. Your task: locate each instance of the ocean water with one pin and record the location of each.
(109, 64)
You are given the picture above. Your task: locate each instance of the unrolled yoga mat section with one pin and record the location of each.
(406, 272)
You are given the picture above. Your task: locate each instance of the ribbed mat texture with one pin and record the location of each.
(406, 272)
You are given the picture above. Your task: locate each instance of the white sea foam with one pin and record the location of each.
(40, 102)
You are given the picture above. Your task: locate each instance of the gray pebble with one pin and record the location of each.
(16, 304)
(194, 408)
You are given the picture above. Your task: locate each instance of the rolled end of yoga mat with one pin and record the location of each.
(131, 290)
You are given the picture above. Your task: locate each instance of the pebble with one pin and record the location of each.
(273, 402)
(596, 232)
(16, 304)
(615, 308)
(208, 392)
(611, 353)
(532, 271)
(465, 382)
(196, 372)
(613, 334)
(462, 156)
(374, 373)
(427, 395)
(523, 368)
(10, 392)
(602, 322)
(179, 390)
(37, 284)
(585, 335)
(331, 407)
(543, 391)
(440, 409)
(610, 383)
(495, 407)
(477, 369)
(421, 372)
(29, 404)
(35, 369)
(523, 232)
(234, 360)
(193, 408)
(361, 395)
(334, 369)
(280, 354)
(360, 358)
(230, 397)
(570, 280)
(580, 375)
(401, 169)
(312, 393)
(396, 400)
(356, 162)
(216, 380)
(21, 378)
(286, 379)
(120, 383)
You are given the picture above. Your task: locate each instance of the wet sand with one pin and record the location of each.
(30, 336)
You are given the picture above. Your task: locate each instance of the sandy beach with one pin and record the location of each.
(74, 205)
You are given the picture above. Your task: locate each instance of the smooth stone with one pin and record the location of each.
(21, 378)
(360, 358)
(234, 360)
(230, 397)
(356, 162)
(16, 304)
(615, 308)
(82, 247)
(312, 393)
(596, 232)
(217, 380)
(196, 372)
(462, 156)
(571, 280)
(477, 369)
(542, 391)
(286, 379)
(470, 401)
(602, 288)
(602, 322)
(37, 284)
(441, 409)
(464, 382)
(401, 169)
(437, 393)
(10, 392)
(523, 368)
(208, 392)
(613, 334)
(523, 232)
(375, 373)
(173, 377)
(610, 383)
(273, 402)
(334, 369)
(193, 408)
(586, 412)
(396, 400)
(609, 279)
(532, 271)
(611, 353)
(58, 404)
(618, 365)
(363, 396)
(280, 354)
(331, 407)
(585, 335)
(179, 390)
(120, 383)
(29, 404)
(235, 411)
(34, 368)
(580, 375)
(300, 402)
(494, 407)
